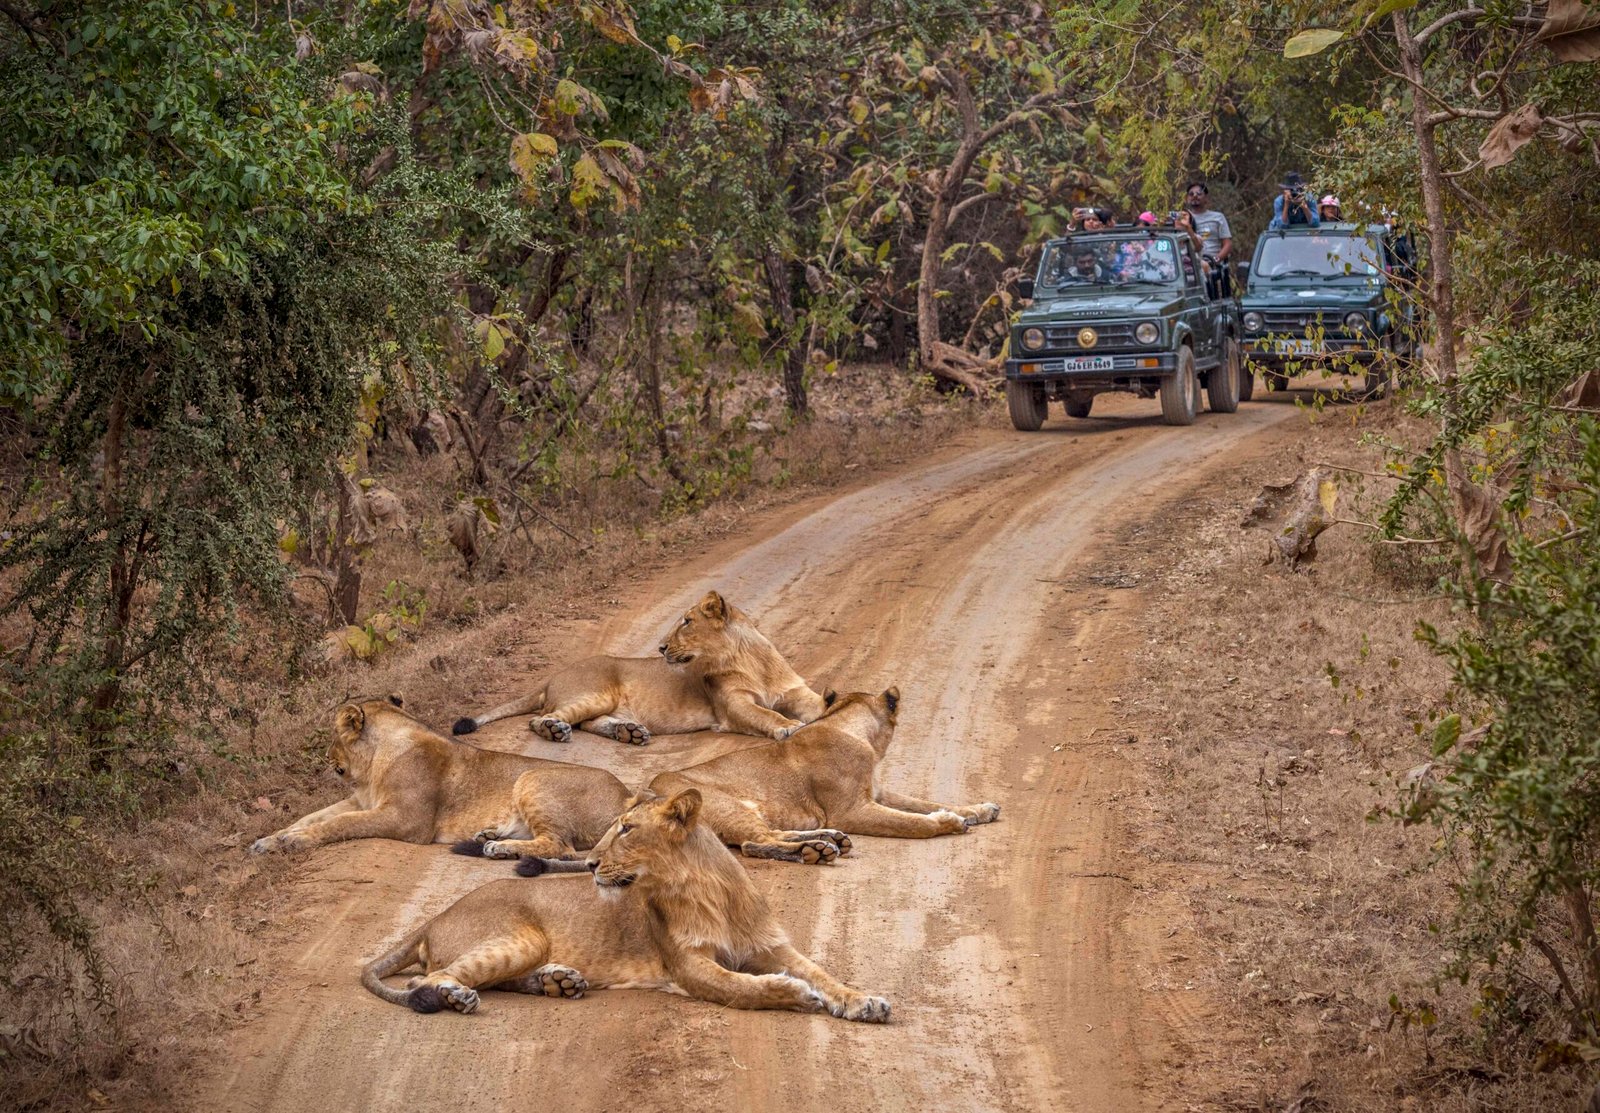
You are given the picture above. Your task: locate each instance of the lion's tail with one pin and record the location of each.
(526, 705)
(403, 954)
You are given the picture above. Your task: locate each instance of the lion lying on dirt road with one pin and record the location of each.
(716, 672)
(779, 800)
(410, 784)
(683, 917)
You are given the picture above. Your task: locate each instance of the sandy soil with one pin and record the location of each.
(1027, 961)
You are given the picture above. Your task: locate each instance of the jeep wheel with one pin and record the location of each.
(1277, 381)
(1078, 404)
(1027, 405)
(1380, 371)
(1247, 380)
(1222, 384)
(1180, 391)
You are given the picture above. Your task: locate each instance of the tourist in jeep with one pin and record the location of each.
(1085, 268)
(1329, 210)
(1216, 239)
(1292, 206)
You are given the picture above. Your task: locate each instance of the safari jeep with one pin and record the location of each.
(1328, 297)
(1122, 310)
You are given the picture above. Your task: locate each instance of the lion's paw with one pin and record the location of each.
(462, 999)
(634, 734)
(950, 823)
(786, 732)
(985, 813)
(488, 835)
(283, 841)
(493, 849)
(265, 845)
(551, 730)
(818, 852)
(839, 839)
(868, 1010)
(556, 980)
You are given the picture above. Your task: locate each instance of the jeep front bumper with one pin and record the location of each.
(1081, 368)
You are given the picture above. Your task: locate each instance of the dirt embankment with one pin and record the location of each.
(1029, 962)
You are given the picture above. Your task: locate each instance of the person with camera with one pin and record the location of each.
(1292, 206)
(1210, 228)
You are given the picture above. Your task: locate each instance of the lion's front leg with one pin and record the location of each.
(378, 823)
(701, 977)
(873, 818)
(740, 713)
(972, 813)
(803, 704)
(348, 804)
(842, 1000)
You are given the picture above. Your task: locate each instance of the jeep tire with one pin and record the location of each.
(1222, 383)
(1277, 380)
(1180, 391)
(1078, 403)
(1027, 405)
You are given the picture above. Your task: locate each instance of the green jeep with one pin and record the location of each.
(1332, 296)
(1122, 310)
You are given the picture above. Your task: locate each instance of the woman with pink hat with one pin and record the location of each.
(1328, 209)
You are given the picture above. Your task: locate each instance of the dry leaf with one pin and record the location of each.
(1509, 135)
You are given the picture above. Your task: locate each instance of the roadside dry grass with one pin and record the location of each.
(184, 935)
(1276, 712)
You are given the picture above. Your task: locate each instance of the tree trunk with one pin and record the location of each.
(1475, 508)
(1581, 919)
(794, 354)
(650, 375)
(119, 587)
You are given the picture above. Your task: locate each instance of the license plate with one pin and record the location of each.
(1303, 347)
(1089, 363)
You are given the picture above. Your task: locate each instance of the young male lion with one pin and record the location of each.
(408, 783)
(716, 672)
(684, 917)
(799, 800)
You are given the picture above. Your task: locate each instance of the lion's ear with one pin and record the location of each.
(829, 697)
(891, 699)
(715, 606)
(394, 698)
(683, 808)
(638, 798)
(349, 719)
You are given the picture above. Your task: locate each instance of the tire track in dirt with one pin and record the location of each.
(1013, 955)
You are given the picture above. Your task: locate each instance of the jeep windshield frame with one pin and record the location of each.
(1323, 256)
(1138, 259)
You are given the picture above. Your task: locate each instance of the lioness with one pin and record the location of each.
(779, 800)
(683, 917)
(716, 672)
(410, 784)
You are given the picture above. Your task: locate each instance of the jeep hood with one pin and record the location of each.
(1060, 310)
(1289, 296)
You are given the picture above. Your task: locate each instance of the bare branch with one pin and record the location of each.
(963, 206)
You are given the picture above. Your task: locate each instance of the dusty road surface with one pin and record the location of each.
(1026, 968)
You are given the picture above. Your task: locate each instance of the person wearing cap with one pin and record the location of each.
(1328, 209)
(1291, 206)
(1147, 218)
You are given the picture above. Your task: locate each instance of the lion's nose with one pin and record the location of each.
(593, 864)
(662, 648)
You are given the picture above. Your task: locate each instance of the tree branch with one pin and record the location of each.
(957, 210)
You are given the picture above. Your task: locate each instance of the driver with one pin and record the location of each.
(1085, 268)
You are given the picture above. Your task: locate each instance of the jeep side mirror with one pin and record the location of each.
(1244, 272)
(1025, 288)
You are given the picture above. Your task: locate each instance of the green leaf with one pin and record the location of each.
(1388, 8)
(1315, 41)
(1446, 734)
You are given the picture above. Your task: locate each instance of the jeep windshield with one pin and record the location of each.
(1326, 258)
(1085, 264)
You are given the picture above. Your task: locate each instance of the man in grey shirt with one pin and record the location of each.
(1216, 239)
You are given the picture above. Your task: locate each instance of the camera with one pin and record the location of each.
(1297, 193)
(1172, 216)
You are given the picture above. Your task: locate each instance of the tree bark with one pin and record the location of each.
(119, 589)
(794, 354)
(1474, 507)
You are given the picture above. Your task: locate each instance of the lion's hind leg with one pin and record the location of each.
(556, 724)
(621, 729)
(972, 813)
(811, 852)
(540, 846)
(550, 980)
(490, 963)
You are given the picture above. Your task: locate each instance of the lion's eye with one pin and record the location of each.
(685, 621)
(624, 829)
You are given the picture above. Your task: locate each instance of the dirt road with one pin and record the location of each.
(1025, 965)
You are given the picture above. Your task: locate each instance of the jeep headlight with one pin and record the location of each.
(1355, 322)
(1253, 322)
(1147, 332)
(1033, 339)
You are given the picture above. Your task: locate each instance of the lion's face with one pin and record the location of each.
(351, 751)
(701, 632)
(648, 831)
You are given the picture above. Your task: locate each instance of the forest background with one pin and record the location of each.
(606, 254)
